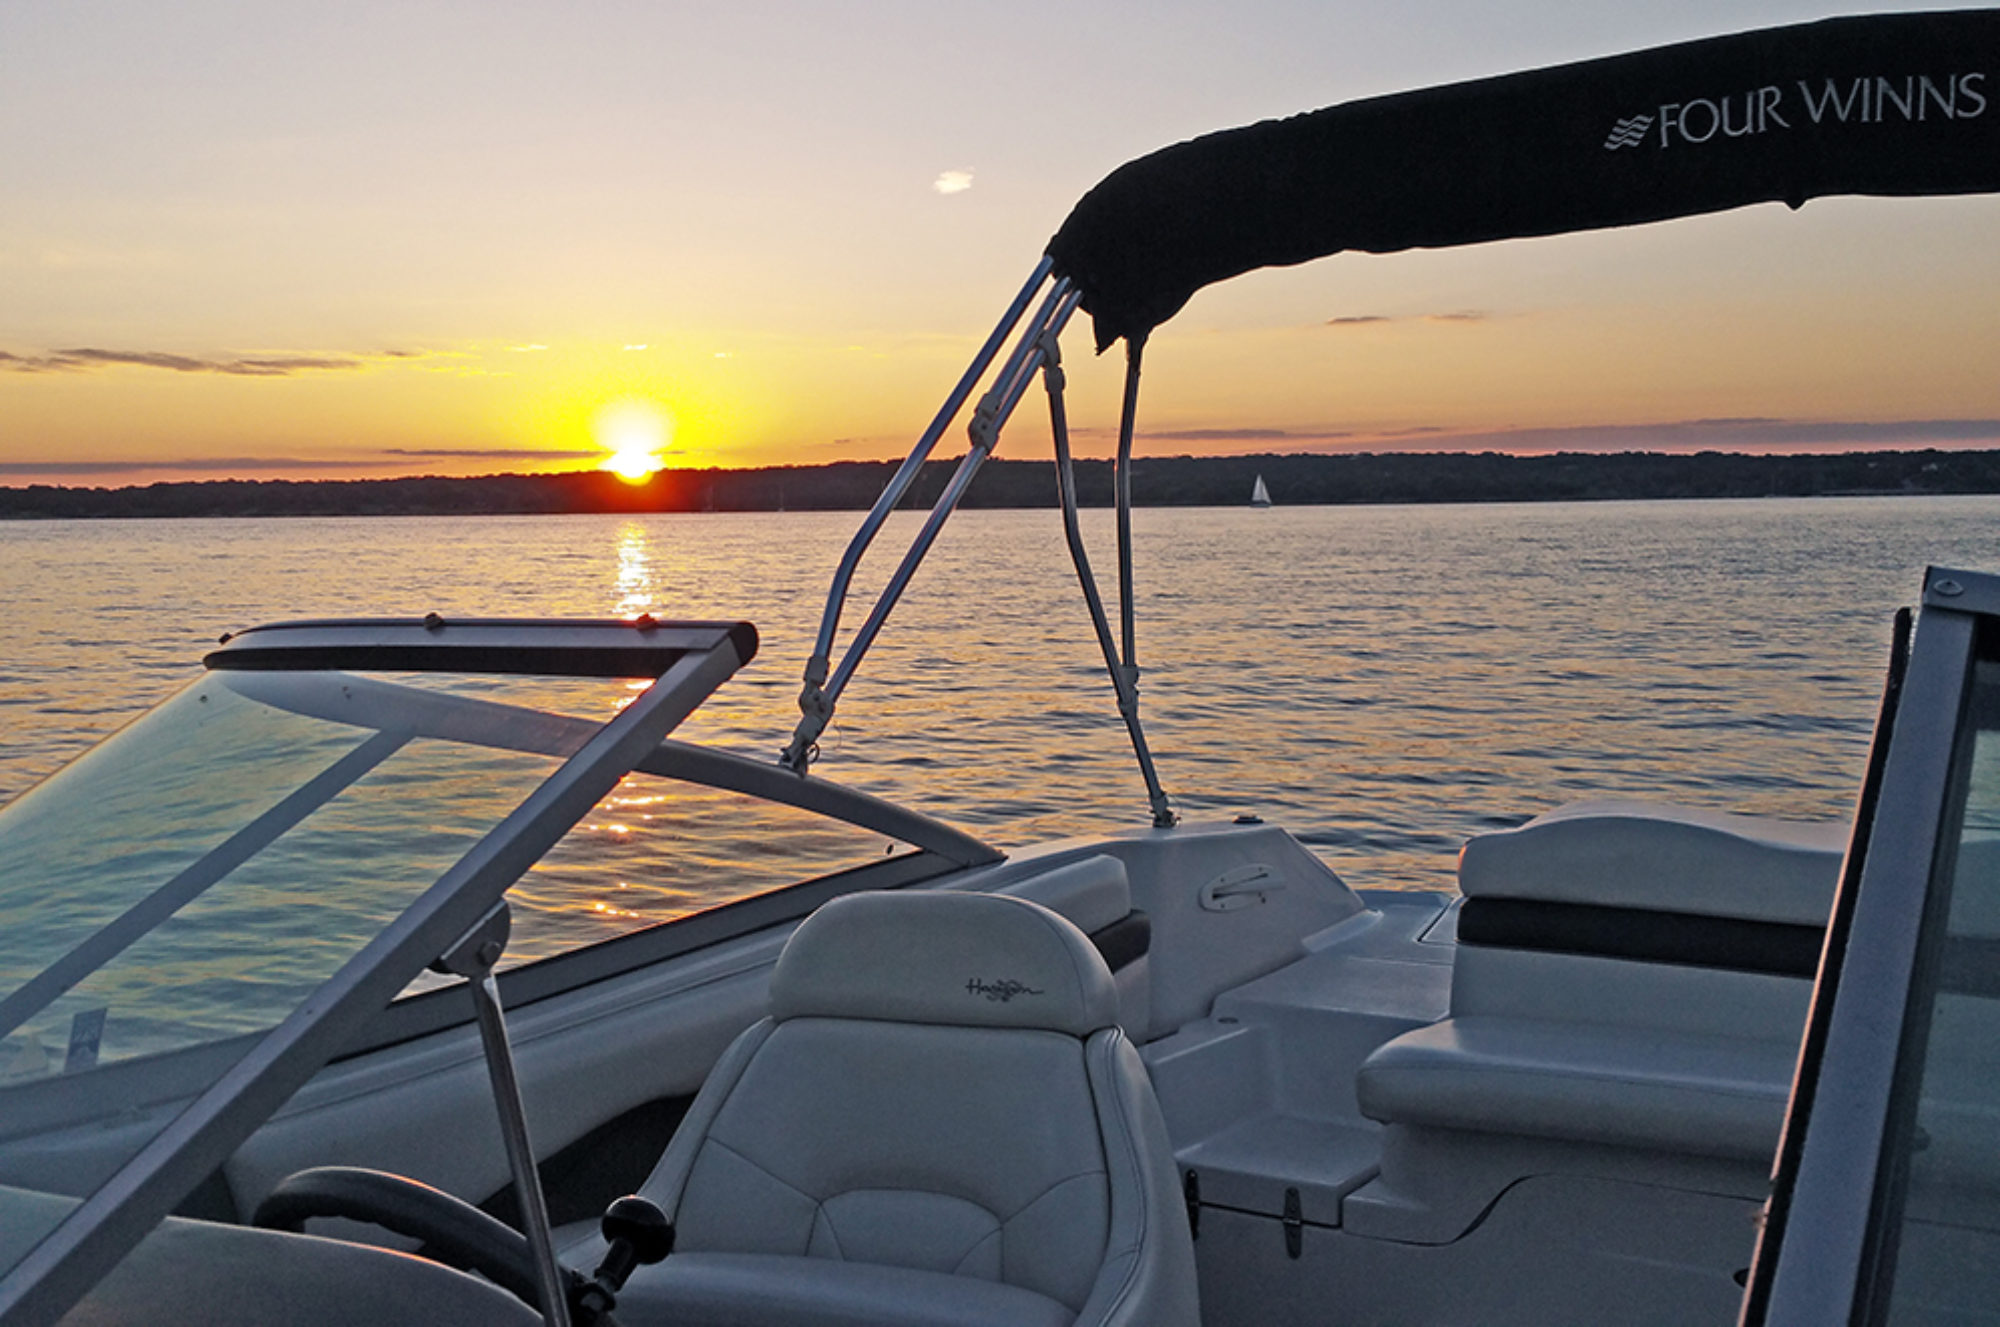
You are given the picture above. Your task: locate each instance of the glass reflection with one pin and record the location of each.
(1947, 1263)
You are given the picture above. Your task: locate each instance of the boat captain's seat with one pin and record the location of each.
(939, 1122)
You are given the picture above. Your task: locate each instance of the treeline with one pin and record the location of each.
(1175, 481)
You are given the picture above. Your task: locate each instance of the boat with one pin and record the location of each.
(269, 1058)
(1259, 495)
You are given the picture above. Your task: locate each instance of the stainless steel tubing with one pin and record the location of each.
(1127, 421)
(817, 702)
(899, 483)
(520, 1153)
(1123, 680)
(1054, 313)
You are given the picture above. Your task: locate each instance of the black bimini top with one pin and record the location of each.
(1896, 104)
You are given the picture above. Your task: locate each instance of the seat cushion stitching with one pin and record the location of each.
(831, 1233)
(747, 1160)
(1132, 1271)
(1067, 1179)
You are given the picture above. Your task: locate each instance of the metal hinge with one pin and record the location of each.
(1295, 1225)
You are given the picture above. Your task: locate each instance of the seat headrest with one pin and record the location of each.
(921, 956)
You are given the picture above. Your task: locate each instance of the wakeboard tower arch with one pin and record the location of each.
(1884, 105)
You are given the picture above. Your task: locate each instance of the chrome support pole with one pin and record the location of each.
(473, 957)
(1124, 681)
(1135, 346)
(836, 597)
(816, 702)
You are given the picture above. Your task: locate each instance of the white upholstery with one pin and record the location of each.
(1657, 856)
(939, 1122)
(972, 960)
(1092, 892)
(202, 1274)
(1704, 1095)
(1654, 1056)
(734, 1289)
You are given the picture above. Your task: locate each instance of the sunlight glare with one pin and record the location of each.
(635, 434)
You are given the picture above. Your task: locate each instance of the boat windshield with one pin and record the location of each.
(210, 905)
(1886, 1201)
(195, 878)
(1943, 1237)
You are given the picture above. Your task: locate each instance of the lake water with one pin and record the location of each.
(1383, 681)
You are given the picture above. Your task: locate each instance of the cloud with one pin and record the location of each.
(496, 453)
(1367, 319)
(1225, 435)
(1743, 434)
(237, 465)
(27, 364)
(1738, 434)
(953, 182)
(85, 358)
(183, 465)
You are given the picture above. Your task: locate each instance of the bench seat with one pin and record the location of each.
(1593, 1083)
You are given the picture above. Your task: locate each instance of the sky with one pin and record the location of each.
(252, 240)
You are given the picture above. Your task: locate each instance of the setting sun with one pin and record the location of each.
(635, 434)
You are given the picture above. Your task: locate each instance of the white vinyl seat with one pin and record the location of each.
(940, 1122)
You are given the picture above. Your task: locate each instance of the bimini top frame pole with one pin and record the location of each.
(899, 483)
(1124, 671)
(1036, 352)
(823, 680)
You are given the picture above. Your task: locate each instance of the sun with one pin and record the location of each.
(635, 434)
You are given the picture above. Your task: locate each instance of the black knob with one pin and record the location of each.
(642, 1225)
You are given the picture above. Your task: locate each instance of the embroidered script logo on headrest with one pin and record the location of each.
(1000, 992)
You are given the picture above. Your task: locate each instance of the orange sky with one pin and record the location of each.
(267, 242)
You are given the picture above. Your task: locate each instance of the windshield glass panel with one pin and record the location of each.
(655, 850)
(195, 878)
(1947, 1259)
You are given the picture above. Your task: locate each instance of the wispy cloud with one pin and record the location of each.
(191, 465)
(497, 453)
(1733, 434)
(1369, 319)
(26, 363)
(1226, 435)
(225, 466)
(86, 358)
(953, 182)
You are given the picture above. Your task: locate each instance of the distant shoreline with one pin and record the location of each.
(1172, 481)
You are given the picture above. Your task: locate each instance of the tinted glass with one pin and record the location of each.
(1947, 1259)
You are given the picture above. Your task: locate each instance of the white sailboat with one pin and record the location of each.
(1259, 495)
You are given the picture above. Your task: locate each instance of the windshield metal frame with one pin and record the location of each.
(1823, 1262)
(96, 1235)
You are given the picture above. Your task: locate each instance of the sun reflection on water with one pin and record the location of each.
(635, 587)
